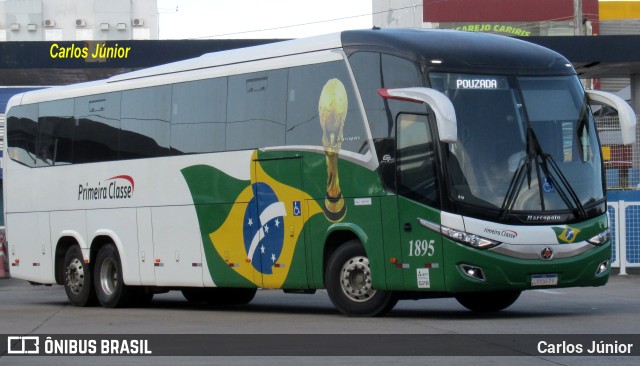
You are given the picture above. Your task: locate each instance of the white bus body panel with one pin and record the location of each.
(30, 253)
(156, 231)
(158, 221)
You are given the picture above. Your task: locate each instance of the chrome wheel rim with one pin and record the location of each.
(108, 276)
(355, 279)
(75, 276)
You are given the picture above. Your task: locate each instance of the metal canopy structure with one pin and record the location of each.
(33, 64)
(597, 56)
(63, 63)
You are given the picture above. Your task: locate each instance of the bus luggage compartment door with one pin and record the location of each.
(277, 249)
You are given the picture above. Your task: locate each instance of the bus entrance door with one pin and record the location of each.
(422, 255)
(278, 250)
(417, 186)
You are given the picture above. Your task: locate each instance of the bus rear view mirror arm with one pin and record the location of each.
(440, 103)
(626, 115)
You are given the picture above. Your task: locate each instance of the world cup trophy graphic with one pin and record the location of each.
(332, 111)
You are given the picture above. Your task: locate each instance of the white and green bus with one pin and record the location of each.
(378, 164)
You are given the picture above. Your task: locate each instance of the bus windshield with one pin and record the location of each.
(524, 143)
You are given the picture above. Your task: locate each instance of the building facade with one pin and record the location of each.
(78, 20)
(519, 18)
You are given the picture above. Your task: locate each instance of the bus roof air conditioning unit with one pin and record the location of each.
(49, 23)
(81, 23)
(138, 22)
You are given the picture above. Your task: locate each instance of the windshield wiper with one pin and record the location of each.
(535, 152)
(581, 212)
(524, 167)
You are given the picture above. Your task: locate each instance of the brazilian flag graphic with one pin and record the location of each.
(567, 234)
(252, 230)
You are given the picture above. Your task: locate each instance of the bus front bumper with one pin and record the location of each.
(471, 270)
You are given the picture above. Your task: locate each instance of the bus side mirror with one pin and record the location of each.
(439, 103)
(626, 115)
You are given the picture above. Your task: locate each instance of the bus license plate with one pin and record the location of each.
(544, 280)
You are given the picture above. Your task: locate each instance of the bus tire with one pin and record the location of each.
(484, 302)
(78, 283)
(348, 283)
(109, 284)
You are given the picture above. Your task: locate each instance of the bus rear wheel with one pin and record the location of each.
(485, 302)
(109, 284)
(349, 285)
(77, 278)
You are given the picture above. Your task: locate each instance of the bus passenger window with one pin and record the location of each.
(198, 116)
(22, 127)
(97, 133)
(145, 122)
(256, 110)
(56, 126)
(304, 89)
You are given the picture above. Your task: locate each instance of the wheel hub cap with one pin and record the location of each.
(75, 276)
(108, 276)
(355, 279)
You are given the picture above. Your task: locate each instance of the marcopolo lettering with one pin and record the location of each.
(118, 187)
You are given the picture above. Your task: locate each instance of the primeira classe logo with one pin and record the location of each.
(118, 187)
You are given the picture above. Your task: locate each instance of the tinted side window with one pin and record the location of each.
(98, 128)
(374, 71)
(198, 118)
(22, 127)
(256, 110)
(55, 133)
(146, 116)
(416, 161)
(304, 124)
(368, 74)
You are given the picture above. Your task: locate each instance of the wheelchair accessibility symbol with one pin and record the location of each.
(547, 186)
(296, 208)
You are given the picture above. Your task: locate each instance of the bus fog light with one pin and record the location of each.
(602, 267)
(473, 271)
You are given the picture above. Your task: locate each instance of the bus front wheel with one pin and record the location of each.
(77, 278)
(349, 283)
(109, 284)
(487, 301)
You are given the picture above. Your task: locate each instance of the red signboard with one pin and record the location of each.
(505, 10)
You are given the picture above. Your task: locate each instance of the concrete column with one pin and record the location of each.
(635, 104)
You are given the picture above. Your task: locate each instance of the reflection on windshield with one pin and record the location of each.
(494, 115)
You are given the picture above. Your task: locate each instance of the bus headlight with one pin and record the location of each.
(471, 240)
(601, 238)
